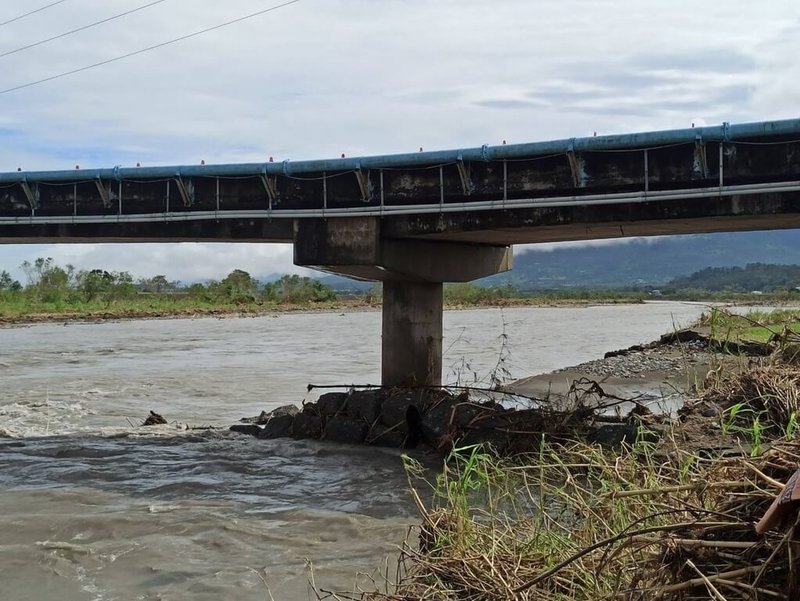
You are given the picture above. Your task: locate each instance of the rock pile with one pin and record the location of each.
(406, 418)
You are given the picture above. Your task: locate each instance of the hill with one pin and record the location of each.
(755, 276)
(644, 262)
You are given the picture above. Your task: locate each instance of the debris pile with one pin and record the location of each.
(406, 418)
(575, 523)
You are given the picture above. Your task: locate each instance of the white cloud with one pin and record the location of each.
(323, 77)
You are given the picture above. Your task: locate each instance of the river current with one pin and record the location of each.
(95, 507)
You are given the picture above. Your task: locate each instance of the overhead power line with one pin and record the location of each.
(148, 49)
(33, 12)
(84, 28)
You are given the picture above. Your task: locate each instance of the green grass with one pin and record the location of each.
(20, 307)
(754, 326)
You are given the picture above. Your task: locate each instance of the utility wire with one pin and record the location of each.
(33, 12)
(85, 27)
(148, 49)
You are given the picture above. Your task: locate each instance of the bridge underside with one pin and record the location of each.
(225, 230)
(701, 215)
(713, 213)
(415, 221)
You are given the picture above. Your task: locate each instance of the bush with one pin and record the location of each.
(297, 289)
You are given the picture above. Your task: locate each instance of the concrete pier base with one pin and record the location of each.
(412, 333)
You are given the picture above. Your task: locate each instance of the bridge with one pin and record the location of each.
(414, 221)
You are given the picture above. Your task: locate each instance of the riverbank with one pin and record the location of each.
(170, 308)
(658, 374)
(575, 522)
(591, 492)
(703, 504)
(95, 313)
(22, 313)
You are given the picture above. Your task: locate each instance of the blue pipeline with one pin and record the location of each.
(716, 133)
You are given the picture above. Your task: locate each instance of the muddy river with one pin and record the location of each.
(94, 507)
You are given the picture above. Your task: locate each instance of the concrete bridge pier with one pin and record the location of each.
(412, 272)
(412, 333)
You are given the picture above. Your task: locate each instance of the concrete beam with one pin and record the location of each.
(342, 241)
(443, 262)
(353, 247)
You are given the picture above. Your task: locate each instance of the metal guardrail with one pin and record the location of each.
(451, 207)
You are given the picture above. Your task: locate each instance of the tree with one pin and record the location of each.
(157, 284)
(123, 285)
(237, 286)
(198, 291)
(296, 289)
(101, 284)
(48, 281)
(755, 276)
(7, 283)
(95, 283)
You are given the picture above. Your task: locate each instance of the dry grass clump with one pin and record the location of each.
(720, 556)
(768, 395)
(575, 522)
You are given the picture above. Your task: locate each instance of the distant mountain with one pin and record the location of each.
(339, 283)
(645, 262)
(755, 276)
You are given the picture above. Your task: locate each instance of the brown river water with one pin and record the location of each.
(94, 507)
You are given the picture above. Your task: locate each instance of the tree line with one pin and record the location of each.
(765, 277)
(48, 282)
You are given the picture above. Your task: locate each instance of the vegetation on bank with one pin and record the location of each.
(576, 522)
(64, 291)
(52, 291)
(472, 294)
(753, 326)
(678, 514)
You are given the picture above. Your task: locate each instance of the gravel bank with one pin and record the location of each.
(643, 361)
(664, 371)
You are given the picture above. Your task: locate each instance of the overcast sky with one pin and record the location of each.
(322, 77)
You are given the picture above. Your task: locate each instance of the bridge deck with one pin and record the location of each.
(633, 184)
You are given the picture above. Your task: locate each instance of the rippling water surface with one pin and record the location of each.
(94, 507)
